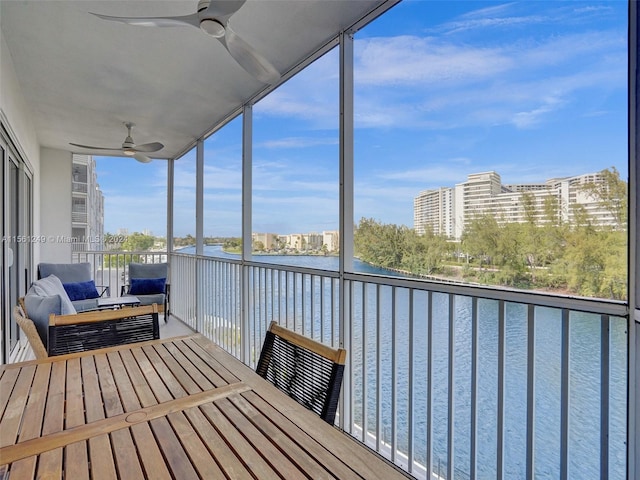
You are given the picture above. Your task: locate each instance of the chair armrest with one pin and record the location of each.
(101, 315)
(124, 289)
(106, 290)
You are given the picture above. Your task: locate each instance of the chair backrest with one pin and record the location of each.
(308, 371)
(29, 328)
(147, 270)
(66, 272)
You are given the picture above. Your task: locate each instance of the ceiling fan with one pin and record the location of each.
(129, 148)
(212, 18)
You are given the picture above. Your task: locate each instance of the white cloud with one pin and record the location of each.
(411, 60)
(298, 142)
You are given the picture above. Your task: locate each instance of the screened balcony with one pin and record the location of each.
(446, 379)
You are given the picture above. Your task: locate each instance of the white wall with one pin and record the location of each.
(55, 205)
(15, 110)
(16, 118)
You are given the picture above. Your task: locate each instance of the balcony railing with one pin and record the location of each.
(461, 382)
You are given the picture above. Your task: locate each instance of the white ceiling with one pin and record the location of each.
(83, 77)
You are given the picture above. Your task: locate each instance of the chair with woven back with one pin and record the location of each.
(55, 334)
(306, 370)
(29, 329)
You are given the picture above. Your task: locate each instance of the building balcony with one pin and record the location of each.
(443, 379)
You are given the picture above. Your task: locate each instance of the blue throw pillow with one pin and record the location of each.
(147, 286)
(81, 290)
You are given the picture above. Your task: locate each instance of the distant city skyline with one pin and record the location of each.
(533, 90)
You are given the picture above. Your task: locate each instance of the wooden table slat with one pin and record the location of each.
(100, 452)
(159, 389)
(33, 419)
(264, 444)
(12, 416)
(76, 455)
(152, 460)
(201, 458)
(229, 462)
(295, 444)
(7, 382)
(196, 375)
(126, 457)
(204, 354)
(177, 370)
(172, 450)
(240, 446)
(172, 384)
(141, 387)
(110, 396)
(205, 367)
(130, 401)
(50, 464)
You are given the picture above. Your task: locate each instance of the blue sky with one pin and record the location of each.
(532, 90)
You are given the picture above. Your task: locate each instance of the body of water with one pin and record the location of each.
(393, 342)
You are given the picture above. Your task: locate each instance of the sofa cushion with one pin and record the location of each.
(66, 272)
(38, 310)
(147, 286)
(81, 290)
(52, 285)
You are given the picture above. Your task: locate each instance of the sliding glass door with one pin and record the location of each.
(17, 249)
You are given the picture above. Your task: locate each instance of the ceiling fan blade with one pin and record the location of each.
(222, 8)
(141, 157)
(149, 147)
(248, 58)
(91, 147)
(182, 21)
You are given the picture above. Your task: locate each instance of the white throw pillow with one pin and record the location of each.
(52, 285)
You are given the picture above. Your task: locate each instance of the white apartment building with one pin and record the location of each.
(331, 238)
(448, 210)
(433, 209)
(87, 205)
(268, 240)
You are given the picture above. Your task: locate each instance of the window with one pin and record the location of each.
(514, 114)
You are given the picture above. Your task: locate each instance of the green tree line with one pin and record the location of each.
(543, 252)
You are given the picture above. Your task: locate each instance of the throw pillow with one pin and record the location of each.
(147, 286)
(52, 285)
(38, 310)
(81, 290)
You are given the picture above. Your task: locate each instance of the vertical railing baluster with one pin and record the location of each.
(502, 339)
(452, 389)
(429, 445)
(564, 398)
(473, 447)
(378, 371)
(365, 423)
(303, 302)
(531, 393)
(410, 373)
(394, 375)
(604, 395)
(323, 281)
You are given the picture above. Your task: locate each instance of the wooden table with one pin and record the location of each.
(173, 408)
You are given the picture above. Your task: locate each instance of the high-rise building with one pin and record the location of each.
(433, 210)
(446, 210)
(87, 205)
